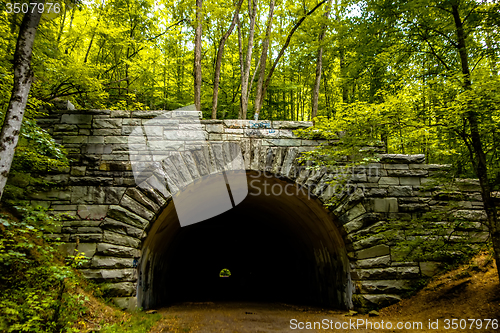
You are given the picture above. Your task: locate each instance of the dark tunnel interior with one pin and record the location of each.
(282, 248)
(265, 262)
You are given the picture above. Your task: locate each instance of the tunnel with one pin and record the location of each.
(280, 244)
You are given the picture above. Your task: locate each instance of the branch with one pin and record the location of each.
(477, 63)
(282, 51)
(166, 30)
(140, 49)
(124, 79)
(433, 51)
(467, 16)
(444, 35)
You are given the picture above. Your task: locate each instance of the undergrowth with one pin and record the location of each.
(36, 283)
(41, 290)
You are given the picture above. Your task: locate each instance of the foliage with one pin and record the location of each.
(392, 80)
(40, 291)
(350, 134)
(433, 237)
(37, 151)
(397, 125)
(37, 289)
(483, 99)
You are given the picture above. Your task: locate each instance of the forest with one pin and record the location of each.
(412, 77)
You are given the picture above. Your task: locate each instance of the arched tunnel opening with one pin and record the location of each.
(279, 245)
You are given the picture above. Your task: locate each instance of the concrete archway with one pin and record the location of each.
(280, 244)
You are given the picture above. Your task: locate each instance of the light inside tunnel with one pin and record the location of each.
(284, 248)
(225, 273)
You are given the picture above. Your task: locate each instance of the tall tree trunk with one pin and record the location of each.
(343, 76)
(253, 79)
(479, 157)
(197, 55)
(263, 61)
(327, 99)
(243, 96)
(317, 80)
(70, 26)
(88, 49)
(343, 67)
(247, 63)
(218, 62)
(319, 66)
(93, 33)
(20, 91)
(62, 24)
(240, 47)
(492, 54)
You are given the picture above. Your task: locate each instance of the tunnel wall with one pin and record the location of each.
(109, 216)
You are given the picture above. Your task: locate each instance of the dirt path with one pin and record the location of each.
(468, 295)
(278, 317)
(275, 317)
(246, 317)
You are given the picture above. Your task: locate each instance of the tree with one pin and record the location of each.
(474, 140)
(319, 66)
(23, 77)
(263, 61)
(218, 61)
(246, 63)
(197, 55)
(261, 89)
(430, 62)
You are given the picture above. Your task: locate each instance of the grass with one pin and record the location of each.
(138, 322)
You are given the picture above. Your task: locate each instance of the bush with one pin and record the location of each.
(36, 285)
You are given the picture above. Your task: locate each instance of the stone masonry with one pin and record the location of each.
(109, 216)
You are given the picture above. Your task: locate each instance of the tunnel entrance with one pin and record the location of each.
(277, 245)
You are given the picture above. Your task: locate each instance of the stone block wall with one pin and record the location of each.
(392, 193)
(109, 216)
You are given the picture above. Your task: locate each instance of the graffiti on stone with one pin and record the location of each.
(260, 124)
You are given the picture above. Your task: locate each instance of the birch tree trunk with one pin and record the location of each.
(253, 79)
(197, 55)
(220, 53)
(22, 83)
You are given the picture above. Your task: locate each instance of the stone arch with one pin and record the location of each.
(309, 229)
(391, 189)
